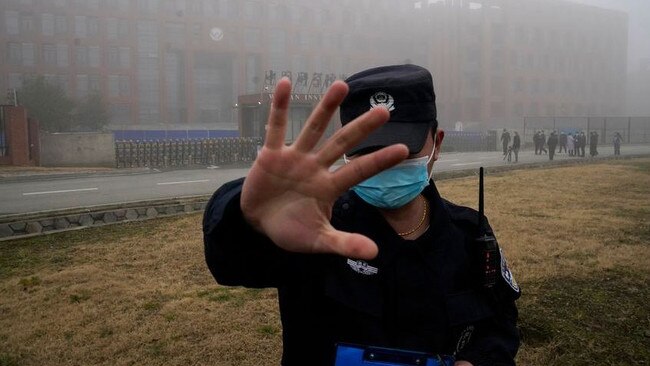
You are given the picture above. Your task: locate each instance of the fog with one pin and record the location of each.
(181, 69)
(638, 12)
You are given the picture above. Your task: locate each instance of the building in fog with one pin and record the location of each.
(176, 62)
(181, 63)
(639, 89)
(497, 61)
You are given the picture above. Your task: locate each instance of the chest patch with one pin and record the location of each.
(362, 267)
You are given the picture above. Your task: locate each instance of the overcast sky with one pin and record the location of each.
(639, 26)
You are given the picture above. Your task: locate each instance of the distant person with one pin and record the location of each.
(582, 139)
(563, 142)
(536, 142)
(369, 254)
(516, 145)
(542, 142)
(593, 143)
(616, 140)
(505, 140)
(552, 144)
(570, 144)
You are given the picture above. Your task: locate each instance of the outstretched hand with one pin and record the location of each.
(289, 192)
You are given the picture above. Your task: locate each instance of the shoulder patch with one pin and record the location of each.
(507, 274)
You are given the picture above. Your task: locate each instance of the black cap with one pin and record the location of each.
(406, 91)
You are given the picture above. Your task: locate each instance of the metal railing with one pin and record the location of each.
(180, 153)
(634, 130)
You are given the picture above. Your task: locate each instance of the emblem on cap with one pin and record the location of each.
(382, 99)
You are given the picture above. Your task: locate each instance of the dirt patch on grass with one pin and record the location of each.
(577, 239)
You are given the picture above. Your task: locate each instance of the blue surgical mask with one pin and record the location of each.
(396, 186)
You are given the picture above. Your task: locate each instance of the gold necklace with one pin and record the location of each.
(424, 216)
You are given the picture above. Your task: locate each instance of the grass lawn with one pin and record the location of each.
(577, 239)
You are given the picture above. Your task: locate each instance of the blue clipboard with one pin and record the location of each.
(357, 355)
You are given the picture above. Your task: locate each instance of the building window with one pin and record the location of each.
(12, 19)
(148, 38)
(14, 53)
(49, 54)
(47, 24)
(62, 55)
(119, 86)
(94, 83)
(112, 28)
(113, 57)
(94, 57)
(81, 56)
(252, 11)
(61, 25)
(175, 33)
(93, 26)
(27, 24)
(80, 26)
(117, 28)
(120, 5)
(29, 54)
(125, 57)
(148, 7)
(93, 4)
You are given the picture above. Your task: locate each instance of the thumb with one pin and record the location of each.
(349, 245)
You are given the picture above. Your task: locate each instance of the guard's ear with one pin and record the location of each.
(439, 136)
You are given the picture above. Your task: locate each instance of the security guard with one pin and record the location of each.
(386, 265)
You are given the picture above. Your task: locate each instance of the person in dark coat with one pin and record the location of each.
(616, 140)
(583, 143)
(552, 144)
(369, 254)
(563, 142)
(593, 143)
(516, 145)
(505, 140)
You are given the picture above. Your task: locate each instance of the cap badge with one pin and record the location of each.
(382, 99)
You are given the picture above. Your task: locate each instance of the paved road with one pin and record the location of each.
(34, 195)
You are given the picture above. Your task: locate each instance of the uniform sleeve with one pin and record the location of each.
(236, 254)
(495, 340)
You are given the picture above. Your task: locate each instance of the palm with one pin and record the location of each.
(289, 192)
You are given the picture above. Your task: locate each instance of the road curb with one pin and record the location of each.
(18, 226)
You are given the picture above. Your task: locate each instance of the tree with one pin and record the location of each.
(91, 114)
(47, 103)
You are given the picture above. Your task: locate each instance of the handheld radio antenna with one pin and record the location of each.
(480, 200)
(489, 251)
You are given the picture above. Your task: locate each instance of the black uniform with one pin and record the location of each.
(422, 295)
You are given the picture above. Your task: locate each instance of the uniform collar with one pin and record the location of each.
(369, 221)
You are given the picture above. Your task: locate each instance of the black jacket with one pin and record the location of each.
(423, 295)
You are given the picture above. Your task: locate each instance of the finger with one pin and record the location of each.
(277, 122)
(351, 134)
(320, 117)
(349, 245)
(365, 166)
